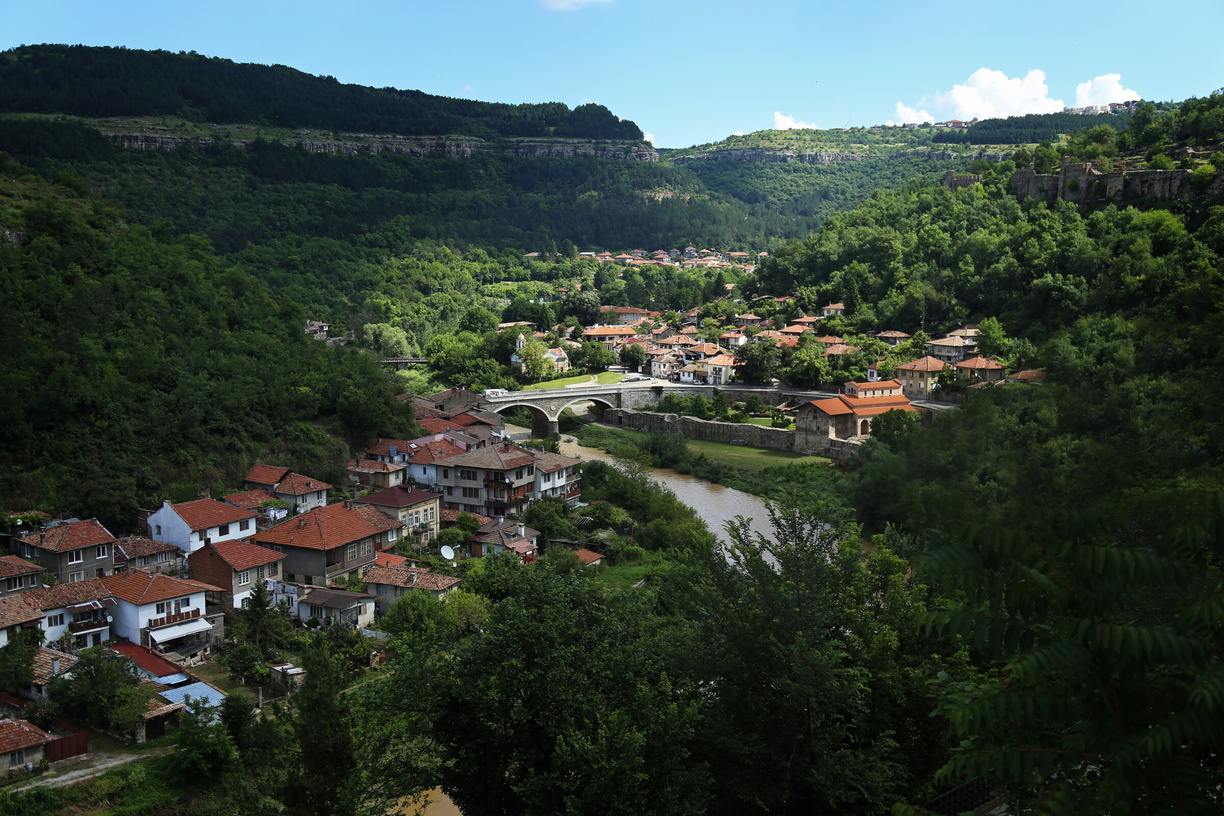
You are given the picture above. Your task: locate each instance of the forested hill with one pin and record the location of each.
(137, 368)
(98, 81)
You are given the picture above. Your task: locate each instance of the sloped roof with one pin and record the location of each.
(249, 499)
(141, 587)
(438, 425)
(843, 405)
(14, 611)
(323, 528)
(43, 665)
(62, 595)
(265, 474)
(243, 555)
(295, 484)
(927, 363)
(72, 535)
(452, 516)
(551, 462)
(384, 558)
(202, 514)
(334, 598)
(432, 452)
(154, 664)
(410, 578)
(503, 456)
(11, 566)
(978, 363)
(373, 466)
(17, 735)
(379, 520)
(587, 556)
(137, 546)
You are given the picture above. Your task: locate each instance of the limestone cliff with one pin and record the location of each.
(450, 146)
(1080, 182)
(759, 154)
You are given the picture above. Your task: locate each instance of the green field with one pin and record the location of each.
(747, 458)
(602, 378)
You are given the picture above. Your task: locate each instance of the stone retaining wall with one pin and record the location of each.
(743, 434)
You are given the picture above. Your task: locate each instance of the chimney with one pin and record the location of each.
(55, 666)
(522, 531)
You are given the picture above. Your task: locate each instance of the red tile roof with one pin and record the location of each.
(137, 546)
(11, 566)
(202, 514)
(398, 496)
(587, 556)
(17, 735)
(44, 669)
(61, 595)
(383, 558)
(265, 474)
(249, 499)
(436, 425)
(979, 364)
(862, 406)
(73, 535)
(151, 662)
(379, 520)
(140, 587)
(923, 364)
(323, 528)
(243, 555)
(410, 578)
(452, 516)
(295, 484)
(14, 611)
(431, 452)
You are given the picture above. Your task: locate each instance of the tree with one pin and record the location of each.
(203, 749)
(318, 782)
(17, 658)
(535, 360)
(758, 362)
(582, 306)
(633, 356)
(103, 691)
(596, 356)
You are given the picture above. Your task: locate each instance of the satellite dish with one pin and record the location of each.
(448, 552)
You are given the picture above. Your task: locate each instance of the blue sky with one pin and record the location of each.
(688, 71)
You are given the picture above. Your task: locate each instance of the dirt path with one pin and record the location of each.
(86, 766)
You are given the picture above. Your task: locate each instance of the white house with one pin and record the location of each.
(189, 524)
(164, 613)
(557, 475)
(75, 615)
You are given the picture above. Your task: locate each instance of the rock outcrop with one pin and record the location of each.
(1080, 182)
(449, 146)
(760, 154)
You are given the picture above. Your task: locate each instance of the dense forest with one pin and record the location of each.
(1027, 589)
(97, 81)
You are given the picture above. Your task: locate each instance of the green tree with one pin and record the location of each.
(319, 779)
(203, 749)
(17, 659)
(595, 356)
(103, 691)
(633, 356)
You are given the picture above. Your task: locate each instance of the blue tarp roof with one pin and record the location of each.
(195, 691)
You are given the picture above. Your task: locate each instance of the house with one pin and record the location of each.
(149, 665)
(493, 481)
(235, 567)
(15, 615)
(389, 583)
(979, 369)
(879, 388)
(48, 665)
(317, 329)
(390, 530)
(303, 492)
(892, 337)
(138, 552)
(498, 536)
(170, 614)
(18, 575)
(608, 335)
(833, 310)
(188, 525)
(721, 369)
(1030, 376)
(260, 502)
(845, 417)
(920, 377)
(21, 745)
(324, 545)
(746, 320)
(557, 476)
(75, 615)
(70, 550)
(417, 510)
(589, 558)
(951, 349)
(329, 606)
(375, 475)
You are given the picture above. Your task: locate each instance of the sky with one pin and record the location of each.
(692, 71)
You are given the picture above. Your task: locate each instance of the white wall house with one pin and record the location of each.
(189, 524)
(161, 612)
(76, 615)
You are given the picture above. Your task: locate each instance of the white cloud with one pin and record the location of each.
(569, 5)
(648, 137)
(906, 114)
(987, 94)
(1102, 90)
(784, 122)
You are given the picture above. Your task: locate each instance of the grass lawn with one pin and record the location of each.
(746, 458)
(765, 422)
(213, 672)
(602, 378)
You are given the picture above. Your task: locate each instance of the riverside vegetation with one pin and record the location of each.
(1039, 604)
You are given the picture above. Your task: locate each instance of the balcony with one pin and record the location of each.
(88, 625)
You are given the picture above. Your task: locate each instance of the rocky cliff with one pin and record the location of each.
(758, 155)
(452, 147)
(1081, 182)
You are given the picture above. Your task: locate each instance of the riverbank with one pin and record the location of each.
(769, 474)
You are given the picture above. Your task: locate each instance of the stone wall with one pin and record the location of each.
(732, 433)
(1081, 182)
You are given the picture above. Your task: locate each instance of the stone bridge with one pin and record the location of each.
(546, 405)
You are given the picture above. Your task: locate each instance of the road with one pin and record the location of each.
(86, 766)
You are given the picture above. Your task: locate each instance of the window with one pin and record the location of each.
(445, 473)
(259, 573)
(16, 583)
(55, 620)
(17, 758)
(163, 556)
(223, 530)
(471, 492)
(468, 475)
(76, 556)
(74, 577)
(351, 552)
(367, 547)
(392, 535)
(103, 551)
(272, 568)
(161, 608)
(245, 524)
(244, 577)
(319, 496)
(158, 528)
(181, 604)
(518, 474)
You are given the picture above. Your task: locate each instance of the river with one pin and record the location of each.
(716, 504)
